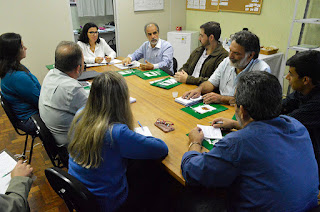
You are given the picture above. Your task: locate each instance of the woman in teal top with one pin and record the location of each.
(18, 85)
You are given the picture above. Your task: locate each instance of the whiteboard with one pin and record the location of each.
(143, 5)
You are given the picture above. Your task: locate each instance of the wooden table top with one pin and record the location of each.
(153, 103)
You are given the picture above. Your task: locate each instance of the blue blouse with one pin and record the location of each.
(108, 182)
(22, 90)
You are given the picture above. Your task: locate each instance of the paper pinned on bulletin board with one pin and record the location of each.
(143, 5)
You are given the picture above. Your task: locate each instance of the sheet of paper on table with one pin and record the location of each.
(204, 109)
(104, 62)
(135, 64)
(143, 131)
(210, 132)
(188, 102)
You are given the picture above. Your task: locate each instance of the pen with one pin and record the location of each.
(218, 122)
(140, 126)
(6, 174)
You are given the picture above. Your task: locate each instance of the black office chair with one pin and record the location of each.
(71, 190)
(112, 44)
(58, 155)
(175, 65)
(14, 121)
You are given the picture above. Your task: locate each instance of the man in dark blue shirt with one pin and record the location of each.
(268, 164)
(304, 103)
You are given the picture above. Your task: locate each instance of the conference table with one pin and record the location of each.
(153, 103)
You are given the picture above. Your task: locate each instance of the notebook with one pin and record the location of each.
(86, 75)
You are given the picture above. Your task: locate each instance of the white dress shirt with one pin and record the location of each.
(225, 76)
(102, 49)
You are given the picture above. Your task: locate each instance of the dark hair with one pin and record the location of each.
(260, 94)
(10, 50)
(146, 26)
(249, 41)
(212, 28)
(84, 33)
(307, 63)
(68, 56)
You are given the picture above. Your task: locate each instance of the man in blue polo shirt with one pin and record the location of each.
(268, 164)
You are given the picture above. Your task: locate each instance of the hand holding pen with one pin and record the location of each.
(21, 169)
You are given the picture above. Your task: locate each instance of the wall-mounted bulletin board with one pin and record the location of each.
(242, 6)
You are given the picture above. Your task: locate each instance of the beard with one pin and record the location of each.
(154, 41)
(240, 64)
(205, 44)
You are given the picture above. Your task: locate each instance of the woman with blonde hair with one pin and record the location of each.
(102, 140)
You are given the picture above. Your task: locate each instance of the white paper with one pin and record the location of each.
(143, 131)
(188, 102)
(125, 72)
(121, 66)
(104, 62)
(169, 82)
(7, 164)
(210, 132)
(204, 109)
(152, 74)
(212, 141)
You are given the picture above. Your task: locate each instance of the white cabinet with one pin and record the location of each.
(183, 43)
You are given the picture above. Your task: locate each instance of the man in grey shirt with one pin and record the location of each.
(61, 94)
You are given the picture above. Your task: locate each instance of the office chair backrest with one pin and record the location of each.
(175, 65)
(71, 190)
(58, 155)
(12, 117)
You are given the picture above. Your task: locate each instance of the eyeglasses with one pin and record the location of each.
(93, 32)
(167, 123)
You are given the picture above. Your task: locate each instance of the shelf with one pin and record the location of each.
(297, 48)
(308, 20)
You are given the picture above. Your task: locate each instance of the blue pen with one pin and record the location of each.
(140, 126)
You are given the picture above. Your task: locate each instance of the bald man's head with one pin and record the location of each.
(68, 56)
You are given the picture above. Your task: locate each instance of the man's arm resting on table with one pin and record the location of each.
(216, 98)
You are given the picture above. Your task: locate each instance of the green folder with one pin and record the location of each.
(189, 110)
(151, 74)
(163, 84)
(49, 67)
(128, 72)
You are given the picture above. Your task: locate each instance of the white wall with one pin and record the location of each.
(42, 25)
(130, 24)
